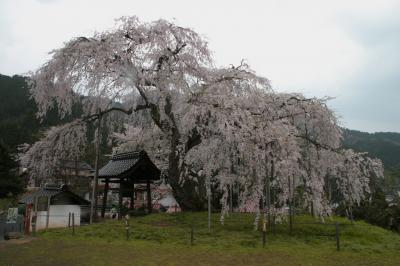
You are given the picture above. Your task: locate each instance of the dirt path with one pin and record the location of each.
(20, 241)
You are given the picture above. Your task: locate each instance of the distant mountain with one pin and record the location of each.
(18, 123)
(383, 145)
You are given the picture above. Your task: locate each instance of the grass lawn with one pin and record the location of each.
(164, 239)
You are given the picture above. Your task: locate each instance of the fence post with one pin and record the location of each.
(69, 220)
(273, 224)
(264, 233)
(73, 223)
(34, 218)
(337, 236)
(1, 229)
(127, 226)
(290, 206)
(21, 223)
(191, 235)
(48, 213)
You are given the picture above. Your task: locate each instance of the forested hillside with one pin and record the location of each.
(18, 124)
(17, 113)
(384, 145)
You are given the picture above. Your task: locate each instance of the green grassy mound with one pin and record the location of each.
(166, 239)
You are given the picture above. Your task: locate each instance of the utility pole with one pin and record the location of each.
(209, 203)
(93, 206)
(231, 198)
(267, 188)
(290, 206)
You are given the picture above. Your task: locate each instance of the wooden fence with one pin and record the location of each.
(7, 227)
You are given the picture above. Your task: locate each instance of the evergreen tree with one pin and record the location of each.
(10, 183)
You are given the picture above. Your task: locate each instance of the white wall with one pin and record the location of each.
(58, 216)
(40, 220)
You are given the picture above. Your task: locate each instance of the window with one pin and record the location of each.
(42, 203)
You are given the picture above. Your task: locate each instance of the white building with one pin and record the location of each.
(53, 207)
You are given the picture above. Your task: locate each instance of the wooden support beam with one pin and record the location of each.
(120, 201)
(149, 204)
(103, 209)
(135, 181)
(132, 204)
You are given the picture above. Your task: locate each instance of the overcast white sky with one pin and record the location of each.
(346, 49)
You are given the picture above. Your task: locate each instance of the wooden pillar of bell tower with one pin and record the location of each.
(149, 204)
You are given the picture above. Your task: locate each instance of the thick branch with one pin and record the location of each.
(165, 58)
(317, 144)
(125, 111)
(194, 140)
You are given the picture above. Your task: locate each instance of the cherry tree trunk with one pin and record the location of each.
(189, 194)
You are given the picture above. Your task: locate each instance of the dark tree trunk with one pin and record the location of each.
(186, 194)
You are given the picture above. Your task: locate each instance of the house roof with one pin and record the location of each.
(119, 164)
(52, 191)
(74, 164)
(136, 163)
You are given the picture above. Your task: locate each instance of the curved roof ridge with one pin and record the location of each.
(127, 155)
(122, 163)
